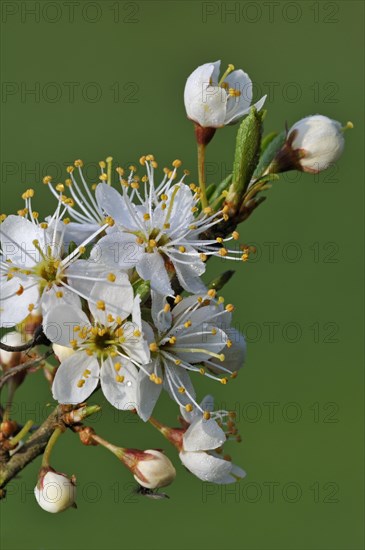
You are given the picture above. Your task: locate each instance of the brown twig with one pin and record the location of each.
(20, 368)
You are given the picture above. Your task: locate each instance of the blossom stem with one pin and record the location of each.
(51, 443)
(19, 436)
(201, 173)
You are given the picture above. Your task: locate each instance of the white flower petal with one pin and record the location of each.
(122, 395)
(162, 319)
(194, 83)
(147, 391)
(189, 273)
(14, 308)
(60, 322)
(79, 232)
(203, 435)
(66, 388)
(205, 466)
(152, 268)
(17, 238)
(118, 249)
(114, 205)
(117, 297)
(50, 299)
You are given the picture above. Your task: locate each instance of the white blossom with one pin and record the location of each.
(55, 492)
(212, 102)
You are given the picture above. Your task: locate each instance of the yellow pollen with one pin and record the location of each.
(203, 257)
(60, 187)
(187, 324)
(139, 240)
(189, 407)
(166, 226)
(234, 374)
(59, 294)
(103, 177)
(43, 225)
(80, 383)
(172, 340)
(219, 239)
(207, 210)
(111, 277)
(223, 252)
(100, 305)
(142, 160)
(146, 217)
(119, 378)
(86, 373)
(177, 163)
(82, 249)
(117, 366)
(230, 308)
(153, 346)
(78, 163)
(182, 249)
(206, 415)
(235, 235)
(181, 389)
(178, 299)
(31, 307)
(229, 343)
(224, 381)
(119, 170)
(166, 308)
(177, 361)
(152, 243)
(137, 333)
(109, 221)
(220, 300)
(202, 371)
(47, 179)
(164, 197)
(212, 293)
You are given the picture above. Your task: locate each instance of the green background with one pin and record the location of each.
(300, 397)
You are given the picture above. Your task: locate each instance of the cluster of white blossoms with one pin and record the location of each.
(115, 276)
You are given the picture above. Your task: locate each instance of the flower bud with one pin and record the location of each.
(54, 491)
(151, 469)
(62, 352)
(10, 359)
(312, 145)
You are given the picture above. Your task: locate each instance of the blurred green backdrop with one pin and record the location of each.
(91, 79)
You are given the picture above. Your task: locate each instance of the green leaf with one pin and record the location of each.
(269, 153)
(71, 247)
(246, 155)
(266, 140)
(219, 282)
(143, 289)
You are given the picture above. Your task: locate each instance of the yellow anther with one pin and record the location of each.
(119, 320)
(189, 407)
(206, 415)
(82, 249)
(3, 217)
(111, 277)
(77, 328)
(137, 333)
(178, 362)
(135, 185)
(119, 170)
(234, 374)
(212, 292)
(219, 239)
(133, 168)
(220, 300)
(178, 299)
(109, 220)
(167, 308)
(235, 235)
(207, 210)
(182, 249)
(31, 307)
(80, 383)
(78, 163)
(153, 377)
(146, 217)
(181, 389)
(86, 373)
(224, 381)
(187, 172)
(59, 294)
(203, 257)
(229, 343)
(152, 243)
(100, 304)
(119, 378)
(153, 347)
(43, 225)
(166, 226)
(214, 331)
(47, 179)
(102, 164)
(244, 257)
(164, 197)
(139, 240)
(202, 371)
(103, 177)
(154, 164)
(223, 252)
(68, 182)
(172, 340)
(177, 163)
(117, 366)
(187, 324)
(142, 160)
(230, 308)
(70, 169)
(158, 380)
(234, 93)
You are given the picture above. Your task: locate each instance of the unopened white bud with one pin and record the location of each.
(11, 358)
(154, 470)
(317, 142)
(55, 492)
(62, 352)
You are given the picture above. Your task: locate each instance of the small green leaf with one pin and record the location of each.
(219, 282)
(246, 155)
(269, 153)
(71, 247)
(142, 288)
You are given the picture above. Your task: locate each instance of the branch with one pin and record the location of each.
(64, 416)
(20, 368)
